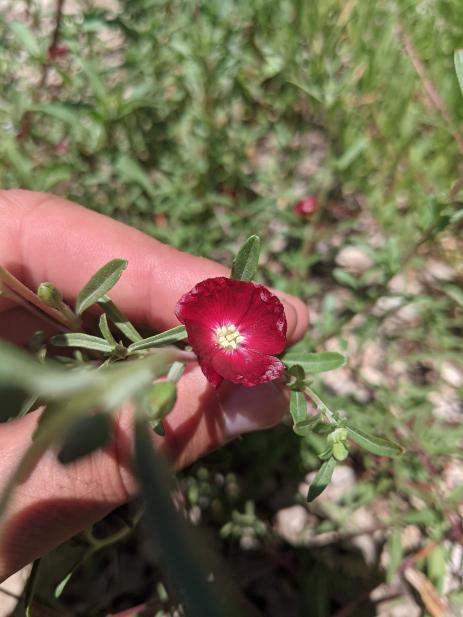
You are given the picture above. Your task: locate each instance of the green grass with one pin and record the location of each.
(202, 123)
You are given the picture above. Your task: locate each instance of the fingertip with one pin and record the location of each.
(297, 316)
(302, 318)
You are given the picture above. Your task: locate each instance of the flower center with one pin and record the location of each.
(228, 337)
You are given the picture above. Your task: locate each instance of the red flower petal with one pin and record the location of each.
(246, 366)
(260, 325)
(264, 324)
(215, 302)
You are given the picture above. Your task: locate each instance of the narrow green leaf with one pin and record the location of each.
(105, 330)
(83, 341)
(297, 407)
(340, 451)
(60, 111)
(314, 362)
(345, 278)
(25, 37)
(100, 283)
(31, 586)
(322, 479)
(113, 386)
(353, 152)
(165, 338)
(159, 429)
(187, 562)
(458, 60)
(119, 319)
(176, 371)
(60, 587)
(18, 368)
(437, 566)
(105, 390)
(307, 426)
(160, 400)
(98, 86)
(376, 445)
(455, 293)
(130, 171)
(85, 436)
(245, 264)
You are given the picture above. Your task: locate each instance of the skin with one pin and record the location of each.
(45, 238)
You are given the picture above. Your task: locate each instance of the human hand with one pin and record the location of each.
(45, 238)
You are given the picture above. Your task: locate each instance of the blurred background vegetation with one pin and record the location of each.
(203, 122)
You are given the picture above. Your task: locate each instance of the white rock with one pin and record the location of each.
(452, 579)
(399, 607)
(447, 404)
(294, 524)
(403, 284)
(453, 474)
(438, 270)
(340, 382)
(363, 519)
(354, 259)
(452, 374)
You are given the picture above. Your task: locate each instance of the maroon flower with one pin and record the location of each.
(307, 206)
(57, 51)
(234, 327)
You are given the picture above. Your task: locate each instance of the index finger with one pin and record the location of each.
(46, 238)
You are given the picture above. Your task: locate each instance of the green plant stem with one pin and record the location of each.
(321, 406)
(12, 288)
(30, 308)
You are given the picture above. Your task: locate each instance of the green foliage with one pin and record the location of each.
(100, 283)
(202, 124)
(119, 320)
(314, 362)
(165, 338)
(322, 479)
(84, 436)
(372, 443)
(84, 341)
(180, 549)
(245, 264)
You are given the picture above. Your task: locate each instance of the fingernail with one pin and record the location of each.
(250, 409)
(291, 316)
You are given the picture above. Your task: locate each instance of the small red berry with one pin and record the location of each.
(306, 206)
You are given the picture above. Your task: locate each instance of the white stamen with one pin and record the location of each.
(229, 337)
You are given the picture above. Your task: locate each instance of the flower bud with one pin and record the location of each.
(337, 436)
(50, 295)
(161, 399)
(340, 451)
